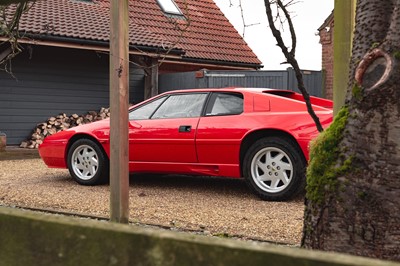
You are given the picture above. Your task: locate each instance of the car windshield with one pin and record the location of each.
(145, 111)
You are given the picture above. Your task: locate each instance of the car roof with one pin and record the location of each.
(231, 89)
(287, 94)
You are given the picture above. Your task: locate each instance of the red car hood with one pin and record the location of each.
(91, 127)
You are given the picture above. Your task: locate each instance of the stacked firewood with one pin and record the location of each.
(59, 123)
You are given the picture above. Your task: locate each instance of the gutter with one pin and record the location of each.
(222, 63)
(34, 38)
(175, 55)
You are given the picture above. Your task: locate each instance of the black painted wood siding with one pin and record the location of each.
(46, 81)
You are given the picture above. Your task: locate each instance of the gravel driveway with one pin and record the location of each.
(210, 206)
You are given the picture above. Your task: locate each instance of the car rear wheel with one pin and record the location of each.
(274, 169)
(87, 163)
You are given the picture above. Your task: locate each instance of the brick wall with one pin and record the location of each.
(326, 40)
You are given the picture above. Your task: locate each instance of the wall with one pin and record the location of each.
(284, 80)
(46, 81)
(29, 238)
(326, 40)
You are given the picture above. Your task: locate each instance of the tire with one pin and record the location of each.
(87, 163)
(274, 169)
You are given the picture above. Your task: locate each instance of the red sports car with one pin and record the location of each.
(259, 134)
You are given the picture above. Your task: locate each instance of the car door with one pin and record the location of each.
(164, 130)
(220, 130)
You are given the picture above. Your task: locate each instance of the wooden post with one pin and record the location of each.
(344, 15)
(119, 97)
(151, 76)
(154, 76)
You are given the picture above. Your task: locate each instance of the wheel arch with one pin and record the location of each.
(262, 133)
(79, 136)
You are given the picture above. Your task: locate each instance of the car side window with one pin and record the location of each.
(225, 104)
(145, 111)
(181, 105)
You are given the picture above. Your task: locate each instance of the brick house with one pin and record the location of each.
(64, 66)
(326, 40)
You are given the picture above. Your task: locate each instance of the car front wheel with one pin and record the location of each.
(274, 169)
(87, 163)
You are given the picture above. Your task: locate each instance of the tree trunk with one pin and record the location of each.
(353, 191)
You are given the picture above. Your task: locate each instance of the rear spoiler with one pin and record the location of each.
(320, 102)
(325, 103)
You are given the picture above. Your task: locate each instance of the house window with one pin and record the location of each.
(170, 7)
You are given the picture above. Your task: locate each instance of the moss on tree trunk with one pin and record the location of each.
(353, 191)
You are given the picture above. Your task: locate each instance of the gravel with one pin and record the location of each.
(211, 206)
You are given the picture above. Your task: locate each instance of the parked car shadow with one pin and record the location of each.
(194, 184)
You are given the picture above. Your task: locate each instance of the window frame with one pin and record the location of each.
(204, 103)
(211, 102)
(166, 7)
(163, 98)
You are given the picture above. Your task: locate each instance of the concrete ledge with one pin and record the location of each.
(17, 153)
(30, 238)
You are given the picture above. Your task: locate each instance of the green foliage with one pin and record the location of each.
(222, 235)
(375, 45)
(324, 168)
(396, 55)
(356, 91)
(362, 195)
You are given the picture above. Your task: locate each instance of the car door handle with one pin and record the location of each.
(185, 128)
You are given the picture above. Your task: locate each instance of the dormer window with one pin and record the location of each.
(170, 7)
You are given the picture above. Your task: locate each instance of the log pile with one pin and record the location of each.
(59, 123)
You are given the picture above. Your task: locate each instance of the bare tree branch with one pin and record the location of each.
(11, 13)
(291, 27)
(290, 55)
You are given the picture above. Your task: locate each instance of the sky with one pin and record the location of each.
(307, 16)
